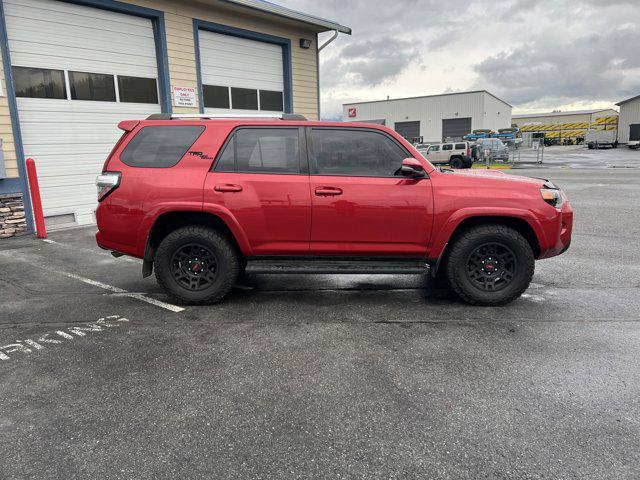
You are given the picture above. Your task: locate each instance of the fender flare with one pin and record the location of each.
(446, 230)
(219, 211)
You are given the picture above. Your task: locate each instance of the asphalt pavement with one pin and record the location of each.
(102, 376)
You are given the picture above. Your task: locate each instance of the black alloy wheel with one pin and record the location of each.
(491, 267)
(194, 267)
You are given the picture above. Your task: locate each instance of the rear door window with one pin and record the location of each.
(447, 147)
(160, 147)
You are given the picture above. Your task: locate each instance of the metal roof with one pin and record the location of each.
(561, 114)
(429, 96)
(628, 100)
(268, 7)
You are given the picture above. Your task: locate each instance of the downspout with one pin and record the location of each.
(320, 48)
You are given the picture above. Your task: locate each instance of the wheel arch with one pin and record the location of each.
(518, 223)
(168, 222)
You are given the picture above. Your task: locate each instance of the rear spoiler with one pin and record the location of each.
(128, 125)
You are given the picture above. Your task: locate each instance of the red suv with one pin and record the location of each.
(202, 200)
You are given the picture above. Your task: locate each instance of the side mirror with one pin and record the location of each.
(412, 168)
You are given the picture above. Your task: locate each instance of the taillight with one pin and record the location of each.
(107, 182)
(468, 151)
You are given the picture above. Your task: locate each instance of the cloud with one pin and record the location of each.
(553, 69)
(371, 62)
(534, 54)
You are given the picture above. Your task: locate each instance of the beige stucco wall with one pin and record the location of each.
(6, 132)
(179, 17)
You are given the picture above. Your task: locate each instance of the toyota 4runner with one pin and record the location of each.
(204, 200)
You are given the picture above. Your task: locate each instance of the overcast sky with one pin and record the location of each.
(538, 55)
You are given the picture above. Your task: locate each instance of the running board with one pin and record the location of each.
(344, 266)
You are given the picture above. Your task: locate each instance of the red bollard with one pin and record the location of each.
(36, 201)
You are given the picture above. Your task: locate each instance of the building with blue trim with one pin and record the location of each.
(72, 69)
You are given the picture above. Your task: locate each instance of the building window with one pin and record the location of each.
(215, 96)
(137, 89)
(272, 101)
(39, 83)
(262, 150)
(92, 86)
(244, 99)
(160, 147)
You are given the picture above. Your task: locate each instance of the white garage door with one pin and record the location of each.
(240, 75)
(78, 71)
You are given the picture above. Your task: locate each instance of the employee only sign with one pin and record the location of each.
(184, 97)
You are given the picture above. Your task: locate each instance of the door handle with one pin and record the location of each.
(328, 191)
(227, 187)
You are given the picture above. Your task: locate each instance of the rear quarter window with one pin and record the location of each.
(461, 146)
(160, 147)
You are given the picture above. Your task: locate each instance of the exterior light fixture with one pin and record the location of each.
(305, 43)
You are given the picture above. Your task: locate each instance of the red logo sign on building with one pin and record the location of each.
(353, 112)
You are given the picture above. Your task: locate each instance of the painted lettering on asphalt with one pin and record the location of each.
(57, 337)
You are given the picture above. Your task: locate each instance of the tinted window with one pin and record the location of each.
(356, 153)
(227, 159)
(244, 99)
(137, 89)
(271, 101)
(215, 97)
(39, 83)
(447, 147)
(92, 86)
(160, 147)
(461, 146)
(434, 148)
(262, 150)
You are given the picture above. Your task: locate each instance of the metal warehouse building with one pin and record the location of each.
(629, 123)
(71, 70)
(433, 118)
(575, 116)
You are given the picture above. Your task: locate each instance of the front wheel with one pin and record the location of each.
(196, 265)
(490, 265)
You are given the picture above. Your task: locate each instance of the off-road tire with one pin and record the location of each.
(475, 237)
(228, 264)
(457, 163)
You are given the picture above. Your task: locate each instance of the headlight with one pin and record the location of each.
(553, 196)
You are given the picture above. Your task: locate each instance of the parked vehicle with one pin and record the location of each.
(494, 147)
(455, 154)
(477, 134)
(596, 139)
(202, 201)
(634, 136)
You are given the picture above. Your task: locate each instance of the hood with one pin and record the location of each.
(498, 175)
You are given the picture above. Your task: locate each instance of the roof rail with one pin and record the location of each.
(223, 116)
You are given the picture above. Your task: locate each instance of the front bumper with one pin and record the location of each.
(560, 234)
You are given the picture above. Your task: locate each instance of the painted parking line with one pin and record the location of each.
(104, 286)
(124, 293)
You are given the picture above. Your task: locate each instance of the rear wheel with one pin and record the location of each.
(196, 265)
(456, 162)
(490, 265)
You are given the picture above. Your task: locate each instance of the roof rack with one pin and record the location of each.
(224, 116)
